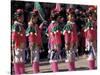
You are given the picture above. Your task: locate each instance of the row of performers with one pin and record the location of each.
(54, 33)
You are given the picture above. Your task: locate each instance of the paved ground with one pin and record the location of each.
(81, 64)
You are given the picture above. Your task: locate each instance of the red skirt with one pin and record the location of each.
(91, 34)
(67, 37)
(57, 38)
(32, 38)
(74, 37)
(51, 38)
(16, 38)
(39, 40)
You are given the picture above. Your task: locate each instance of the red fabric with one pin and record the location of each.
(51, 26)
(22, 68)
(90, 34)
(14, 35)
(38, 37)
(17, 68)
(67, 37)
(32, 38)
(71, 37)
(23, 37)
(16, 38)
(58, 7)
(58, 37)
(71, 66)
(35, 67)
(74, 37)
(54, 66)
(51, 36)
(91, 64)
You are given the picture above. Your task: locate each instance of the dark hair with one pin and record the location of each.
(54, 16)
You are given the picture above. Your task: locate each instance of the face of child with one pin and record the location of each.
(90, 18)
(71, 19)
(20, 19)
(34, 19)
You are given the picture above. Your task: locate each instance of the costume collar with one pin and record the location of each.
(69, 22)
(18, 23)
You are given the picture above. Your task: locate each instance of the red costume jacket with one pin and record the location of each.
(18, 35)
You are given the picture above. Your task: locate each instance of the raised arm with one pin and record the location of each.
(43, 23)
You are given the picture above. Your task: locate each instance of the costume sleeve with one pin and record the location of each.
(14, 34)
(56, 28)
(28, 30)
(89, 24)
(16, 28)
(67, 27)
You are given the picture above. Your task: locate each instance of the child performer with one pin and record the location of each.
(18, 42)
(90, 42)
(35, 39)
(71, 39)
(54, 35)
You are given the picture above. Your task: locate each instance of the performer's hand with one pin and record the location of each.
(64, 32)
(15, 22)
(27, 34)
(86, 49)
(47, 34)
(36, 34)
(69, 31)
(54, 32)
(49, 51)
(30, 23)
